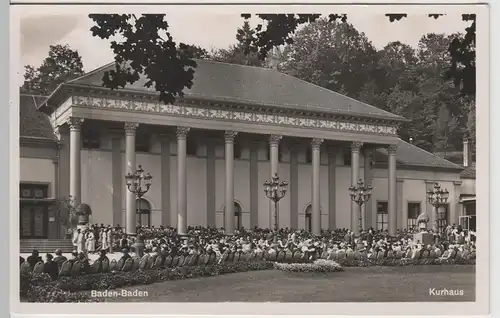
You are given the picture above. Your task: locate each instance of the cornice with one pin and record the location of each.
(38, 142)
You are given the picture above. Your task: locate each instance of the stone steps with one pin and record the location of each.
(46, 245)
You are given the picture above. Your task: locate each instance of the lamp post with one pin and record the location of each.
(437, 197)
(138, 183)
(275, 190)
(360, 193)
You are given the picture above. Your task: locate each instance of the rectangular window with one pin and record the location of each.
(90, 139)
(442, 218)
(382, 216)
(34, 191)
(142, 142)
(413, 213)
(192, 147)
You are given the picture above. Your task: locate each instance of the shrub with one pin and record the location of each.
(318, 266)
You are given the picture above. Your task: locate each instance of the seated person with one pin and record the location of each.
(82, 258)
(59, 259)
(125, 255)
(74, 257)
(34, 258)
(50, 267)
(102, 257)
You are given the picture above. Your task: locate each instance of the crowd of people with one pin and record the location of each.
(202, 240)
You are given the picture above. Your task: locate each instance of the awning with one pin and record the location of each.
(468, 199)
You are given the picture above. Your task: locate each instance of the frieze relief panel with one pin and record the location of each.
(236, 115)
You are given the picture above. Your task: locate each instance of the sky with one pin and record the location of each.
(41, 28)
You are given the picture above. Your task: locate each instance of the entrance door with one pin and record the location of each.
(309, 218)
(34, 221)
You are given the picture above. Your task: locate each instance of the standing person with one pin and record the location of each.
(104, 240)
(109, 238)
(90, 242)
(369, 238)
(124, 243)
(80, 241)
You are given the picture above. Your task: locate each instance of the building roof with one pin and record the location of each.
(411, 155)
(469, 173)
(232, 83)
(33, 123)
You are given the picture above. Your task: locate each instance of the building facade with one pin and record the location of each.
(211, 152)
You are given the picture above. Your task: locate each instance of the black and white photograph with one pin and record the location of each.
(251, 154)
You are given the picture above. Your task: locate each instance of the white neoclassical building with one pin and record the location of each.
(211, 152)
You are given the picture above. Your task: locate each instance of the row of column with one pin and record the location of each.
(229, 136)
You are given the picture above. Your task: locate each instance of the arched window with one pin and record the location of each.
(309, 218)
(237, 216)
(143, 213)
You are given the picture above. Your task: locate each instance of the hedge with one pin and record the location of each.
(39, 288)
(318, 266)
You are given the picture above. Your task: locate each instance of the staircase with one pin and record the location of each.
(46, 245)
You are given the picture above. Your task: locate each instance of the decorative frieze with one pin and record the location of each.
(233, 115)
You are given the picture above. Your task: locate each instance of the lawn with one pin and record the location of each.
(376, 284)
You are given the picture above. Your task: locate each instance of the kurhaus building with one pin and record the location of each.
(211, 152)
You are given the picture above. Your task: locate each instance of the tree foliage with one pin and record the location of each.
(279, 30)
(333, 55)
(62, 64)
(148, 48)
(238, 53)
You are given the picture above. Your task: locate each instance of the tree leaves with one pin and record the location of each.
(239, 53)
(62, 64)
(148, 50)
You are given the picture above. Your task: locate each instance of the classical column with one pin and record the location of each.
(117, 177)
(368, 172)
(392, 202)
(75, 167)
(229, 199)
(315, 197)
(332, 193)
(130, 198)
(211, 208)
(293, 190)
(355, 148)
(182, 133)
(402, 218)
(274, 141)
(255, 188)
(165, 179)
